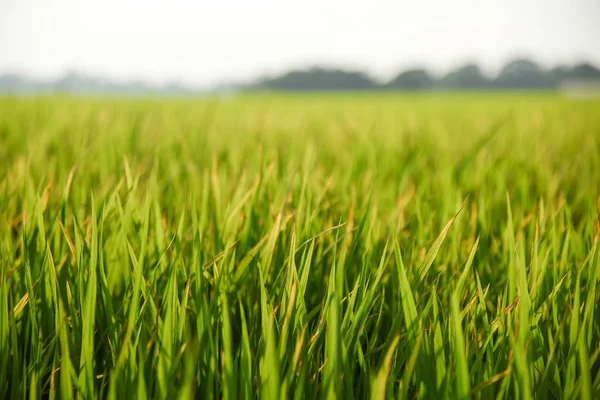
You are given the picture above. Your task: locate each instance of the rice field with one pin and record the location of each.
(300, 246)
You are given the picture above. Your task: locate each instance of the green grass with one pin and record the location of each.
(435, 246)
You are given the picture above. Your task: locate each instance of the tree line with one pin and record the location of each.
(517, 74)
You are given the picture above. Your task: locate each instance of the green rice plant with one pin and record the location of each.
(300, 246)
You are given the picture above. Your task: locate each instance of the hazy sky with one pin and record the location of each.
(203, 42)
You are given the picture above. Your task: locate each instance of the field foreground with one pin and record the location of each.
(440, 246)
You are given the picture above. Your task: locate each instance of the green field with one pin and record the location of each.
(300, 246)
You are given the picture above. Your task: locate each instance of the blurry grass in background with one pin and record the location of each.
(350, 246)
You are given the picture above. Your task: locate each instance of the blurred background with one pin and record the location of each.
(193, 48)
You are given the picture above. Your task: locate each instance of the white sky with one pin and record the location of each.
(201, 42)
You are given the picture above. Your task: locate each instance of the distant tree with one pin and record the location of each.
(584, 71)
(414, 79)
(468, 76)
(558, 74)
(13, 83)
(319, 79)
(523, 73)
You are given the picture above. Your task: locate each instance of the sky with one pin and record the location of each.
(209, 42)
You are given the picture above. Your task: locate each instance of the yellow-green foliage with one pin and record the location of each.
(349, 246)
